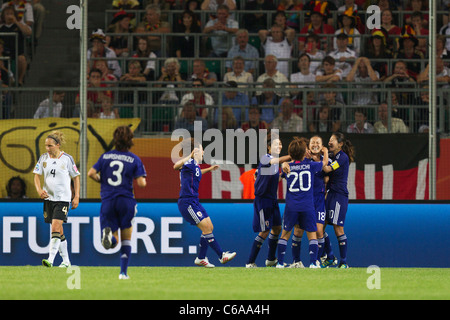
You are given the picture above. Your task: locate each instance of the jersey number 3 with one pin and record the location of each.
(117, 173)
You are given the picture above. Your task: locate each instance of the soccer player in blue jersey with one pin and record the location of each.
(336, 203)
(115, 170)
(266, 213)
(191, 209)
(315, 146)
(300, 207)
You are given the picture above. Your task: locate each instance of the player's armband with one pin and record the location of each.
(334, 165)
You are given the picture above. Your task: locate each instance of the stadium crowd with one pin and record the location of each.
(328, 71)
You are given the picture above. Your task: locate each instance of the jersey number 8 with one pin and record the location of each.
(299, 177)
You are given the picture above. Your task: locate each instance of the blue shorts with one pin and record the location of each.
(191, 210)
(117, 213)
(305, 218)
(266, 213)
(336, 205)
(319, 205)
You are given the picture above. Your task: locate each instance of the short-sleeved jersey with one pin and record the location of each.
(266, 183)
(300, 183)
(190, 176)
(339, 176)
(117, 170)
(57, 174)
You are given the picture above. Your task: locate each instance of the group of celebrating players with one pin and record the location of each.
(316, 195)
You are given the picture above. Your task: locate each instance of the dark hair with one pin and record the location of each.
(123, 138)
(297, 148)
(347, 146)
(22, 183)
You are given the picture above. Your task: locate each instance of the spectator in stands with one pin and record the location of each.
(278, 44)
(361, 72)
(238, 99)
(43, 111)
(7, 79)
(213, 5)
(360, 125)
(126, 5)
(107, 110)
(199, 71)
(238, 74)
(184, 46)
(254, 119)
(329, 71)
(119, 24)
(270, 64)
(245, 50)
(348, 20)
(348, 5)
(95, 82)
(267, 98)
(221, 28)
(331, 98)
(148, 65)
(408, 50)
(107, 77)
(100, 51)
(322, 122)
(417, 6)
(400, 74)
(445, 30)
(133, 79)
(317, 14)
(155, 25)
(254, 22)
(280, 20)
(170, 73)
(392, 30)
(417, 24)
(11, 24)
(343, 55)
(228, 119)
(441, 51)
(325, 7)
(294, 6)
(304, 75)
(16, 188)
(38, 16)
(199, 97)
(442, 72)
(315, 54)
(381, 126)
(287, 120)
(377, 50)
(24, 11)
(189, 116)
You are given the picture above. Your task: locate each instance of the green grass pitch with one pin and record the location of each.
(222, 283)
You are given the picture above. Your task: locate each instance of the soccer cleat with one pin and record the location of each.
(107, 238)
(279, 266)
(203, 263)
(298, 264)
(227, 256)
(47, 263)
(123, 276)
(64, 265)
(343, 266)
(271, 263)
(329, 263)
(251, 265)
(315, 265)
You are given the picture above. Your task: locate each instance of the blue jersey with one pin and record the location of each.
(300, 183)
(319, 183)
(190, 176)
(339, 175)
(266, 183)
(117, 170)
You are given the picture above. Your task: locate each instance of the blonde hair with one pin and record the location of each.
(58, 136)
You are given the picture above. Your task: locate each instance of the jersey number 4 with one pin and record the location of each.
(304, 183)
(117, 173)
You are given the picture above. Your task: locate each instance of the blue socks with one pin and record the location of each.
(296, 247)
(257, 244)
(282, 244)
(202, 247)
(125, 253)
(327, 247)
(273, 241)
(343, 248)
(313, 249)
(211, 241)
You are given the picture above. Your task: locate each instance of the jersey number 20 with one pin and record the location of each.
(299, 177)
(117, 173)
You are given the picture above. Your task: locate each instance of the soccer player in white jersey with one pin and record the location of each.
(58, 168)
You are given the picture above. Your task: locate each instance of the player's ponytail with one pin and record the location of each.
(58, 137)
(347, 145)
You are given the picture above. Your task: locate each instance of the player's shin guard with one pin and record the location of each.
(257, 243)
(296, 247)
(212, 242)
(343, 248)
(125, 253)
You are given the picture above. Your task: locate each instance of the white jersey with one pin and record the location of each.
(57, 174)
